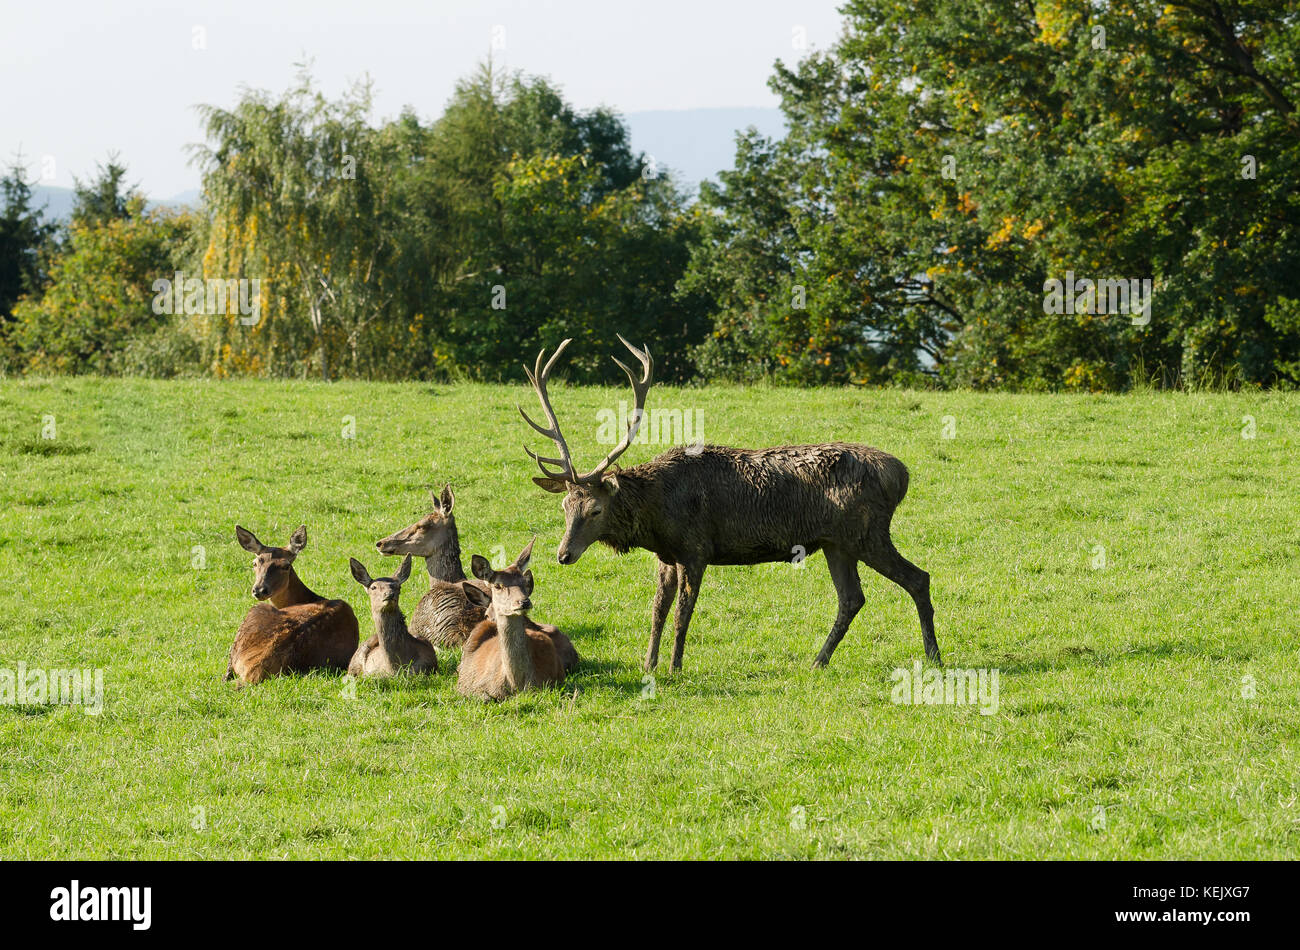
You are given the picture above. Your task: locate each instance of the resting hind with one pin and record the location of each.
(298, 630)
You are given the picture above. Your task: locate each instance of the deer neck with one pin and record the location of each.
(516, 661)
(393, 635)
(444, 564)
(626, 525)
(295, 592)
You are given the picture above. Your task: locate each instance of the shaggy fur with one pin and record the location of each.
(696, 506)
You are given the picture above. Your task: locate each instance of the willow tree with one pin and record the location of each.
(295, 189)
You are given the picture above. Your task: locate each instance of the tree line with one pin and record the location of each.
(948, 168)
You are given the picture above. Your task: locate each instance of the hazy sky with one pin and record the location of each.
(84, 78)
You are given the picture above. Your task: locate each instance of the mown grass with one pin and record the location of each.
(1160, 687)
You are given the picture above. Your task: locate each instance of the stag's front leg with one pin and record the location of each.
(688, 578)
(664, 595)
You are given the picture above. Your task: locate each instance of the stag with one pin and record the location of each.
(700, 505)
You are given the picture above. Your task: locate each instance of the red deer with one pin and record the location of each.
(445, 616)
(506, 655)
(391, 650)
(298, 630)
(700, 505)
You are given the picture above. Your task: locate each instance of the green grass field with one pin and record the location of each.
(1148, 706)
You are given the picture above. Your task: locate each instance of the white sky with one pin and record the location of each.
(84, 78)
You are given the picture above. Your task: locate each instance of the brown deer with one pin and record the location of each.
(445, 616)
(391, 650)
(700, 505)
(505, 655)
(298, 630)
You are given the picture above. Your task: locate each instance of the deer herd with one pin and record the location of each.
(691, 506)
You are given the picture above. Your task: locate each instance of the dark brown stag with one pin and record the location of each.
(701, 505)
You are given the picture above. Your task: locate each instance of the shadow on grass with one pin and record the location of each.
(1075, 657)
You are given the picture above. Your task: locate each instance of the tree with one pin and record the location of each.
(565, 234)
(100, 296)
(946, 160)
(295, 191)
(446, 248)
(25, 240)
(105, 198)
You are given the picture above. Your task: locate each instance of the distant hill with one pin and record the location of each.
(697, 143)
(58, 201)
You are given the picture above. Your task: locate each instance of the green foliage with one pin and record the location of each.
(104, 199)
(100, 297)
(945, 159)
(447, 249)
(25, 242)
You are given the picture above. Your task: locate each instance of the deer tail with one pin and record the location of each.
(893, 480)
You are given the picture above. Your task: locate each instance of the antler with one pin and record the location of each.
(539, 376)
(639, 389)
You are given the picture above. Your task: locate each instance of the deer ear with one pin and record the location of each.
(248, 541)
(525, 556)
(359, 571)
(299, 539)
(552, 485)
(403, 572)
(528, 583)
(448, 499)
(481, 567)
(476, 595)
(611, 484)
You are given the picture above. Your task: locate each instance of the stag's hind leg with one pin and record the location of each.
(884, 558)
(689, 577)
(664, 595)
(848, 587)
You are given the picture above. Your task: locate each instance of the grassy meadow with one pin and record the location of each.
(1128, 565)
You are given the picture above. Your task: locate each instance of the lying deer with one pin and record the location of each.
(445, 616)
(701, 505)
(391, 650)
(505, 655)
(298, 630)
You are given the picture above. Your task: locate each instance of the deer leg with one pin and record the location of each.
(848, 587)
(886, 560)
(664, 595)
(689, 578)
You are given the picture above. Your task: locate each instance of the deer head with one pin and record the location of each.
(587, 497)
(272, 567)
(383, 591)
(510, 590)
(427, 536)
